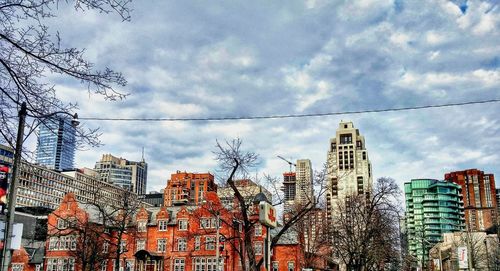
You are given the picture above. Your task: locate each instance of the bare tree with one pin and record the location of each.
(234, 162)
(119, 224)
(365, 230)
(29, 52)
(84, 240)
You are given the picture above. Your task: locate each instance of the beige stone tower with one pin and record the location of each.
(349, 169)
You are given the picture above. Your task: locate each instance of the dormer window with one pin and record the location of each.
(162, 225)
(142, 226)
(183, 224)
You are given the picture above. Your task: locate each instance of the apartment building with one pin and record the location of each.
(188, 188)
(348, 166)
(433, 207)
(478, 192)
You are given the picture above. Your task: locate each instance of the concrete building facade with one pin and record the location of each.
(127, 174)
(248, 189)
(348, 167)
(43, 187)
(479, 196)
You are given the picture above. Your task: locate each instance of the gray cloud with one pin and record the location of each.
(240, 58)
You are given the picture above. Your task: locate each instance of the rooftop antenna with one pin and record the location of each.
(143, 154)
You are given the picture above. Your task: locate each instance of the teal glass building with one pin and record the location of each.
(433, 207)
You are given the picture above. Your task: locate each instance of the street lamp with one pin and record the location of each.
(11, 203)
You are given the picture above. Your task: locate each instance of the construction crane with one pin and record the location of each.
(290, 163)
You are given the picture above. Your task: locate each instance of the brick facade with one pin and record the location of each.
(478, 190)
(176, 238)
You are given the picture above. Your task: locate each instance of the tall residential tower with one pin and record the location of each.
(348, 167)
(478, 191)
(432, 208)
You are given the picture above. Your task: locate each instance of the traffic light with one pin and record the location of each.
(4, 184)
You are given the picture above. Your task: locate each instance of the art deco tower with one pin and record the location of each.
(349, 169)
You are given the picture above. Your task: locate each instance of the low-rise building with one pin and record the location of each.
(42, 187)
(480, 252)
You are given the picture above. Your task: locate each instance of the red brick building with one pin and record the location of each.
(479, 197)
(173, 238)
(184, 188)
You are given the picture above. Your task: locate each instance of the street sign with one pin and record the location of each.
(17, 235)
(463, 262)
(267, 214)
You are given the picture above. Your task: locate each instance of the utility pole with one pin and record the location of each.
(11, 202)
(217, 236)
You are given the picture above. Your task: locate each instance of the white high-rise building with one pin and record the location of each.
(349, 169)
(304, 182)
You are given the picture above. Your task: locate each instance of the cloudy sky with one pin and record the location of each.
(195, 59)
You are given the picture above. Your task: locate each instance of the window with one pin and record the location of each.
(72, 244)
(258, 230)
(62, 224)
(52, 265)
(123, 245)
(183, 224)
(346, 139)
(179, 264)
(129, 265)
(291, 266)
(197, 243)
(200, 264)
(162, 245)
(141, 226)
(181, 244)
(61, 264)
(53, 243)
(105, 247)
(275, 266)
(258, 248)
(205, 223)
(104, 265)
(206, 264)
(213, 222)
(162, 225)
(210, 243)
(141, 244)
(17, 267)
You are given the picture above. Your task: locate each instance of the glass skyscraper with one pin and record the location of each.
(432, 208)
(56, 144)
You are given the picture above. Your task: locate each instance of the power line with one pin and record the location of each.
(296, 115)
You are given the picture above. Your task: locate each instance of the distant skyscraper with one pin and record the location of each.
(56, 144)
(289, 191)
(478, 191)
(304, 176)
(124, 173)
(348, 167)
